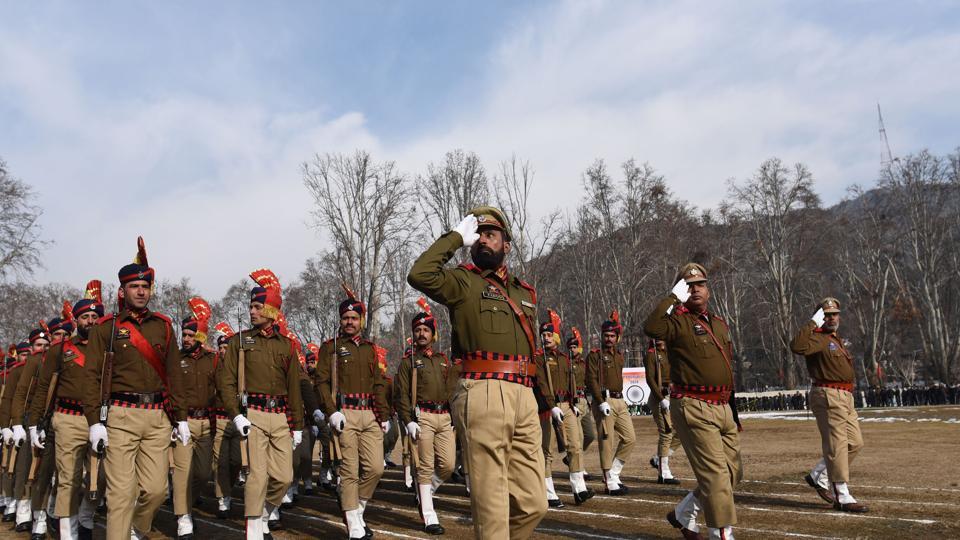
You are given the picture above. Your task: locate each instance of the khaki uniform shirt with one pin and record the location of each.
(72, 382)
(828, 360)
(653, 362)
(270, 366)
(436, 377)
(559, 366)
(480, 317)
(131, 371)
(357, 373)
(609, 364)
(695, 359)
(11, 379)
(197, 372)
(25, 390)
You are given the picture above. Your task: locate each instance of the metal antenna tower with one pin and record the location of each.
(886, 157)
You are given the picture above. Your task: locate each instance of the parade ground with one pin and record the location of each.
(908, 474)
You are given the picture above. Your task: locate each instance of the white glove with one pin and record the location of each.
(318, 417)
(242, 424)
(98, 435)
(37, 437)
(681, 290)
(413, 429)
(7, 436)
(818, 317)
(19, 435)
(315, 430)
(468, 230)
(183, 432)
(605, 408)
(557, 413)
(665, 404)
(338, 421)
(297, 439)
(385, 426)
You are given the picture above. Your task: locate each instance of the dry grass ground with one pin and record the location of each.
(908, 473)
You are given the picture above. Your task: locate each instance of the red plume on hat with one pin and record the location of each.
(94, 291)
(12, 350)
(554, 320)
(202, 313)
(613, 324)
(224, 328)
(271, 295)
(353, 303)
(141, 257)
(425, 317)
(577, 337)
(381, 358)
(66, 314)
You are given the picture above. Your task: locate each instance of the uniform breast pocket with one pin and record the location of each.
(494, 317)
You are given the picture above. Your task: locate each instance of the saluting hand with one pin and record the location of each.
(818, 317)
(468, 230)
(681, 290)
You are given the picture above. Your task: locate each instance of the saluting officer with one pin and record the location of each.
(428, 420)
(357, 413)
(605, 383)
(271, 392)
(701, 374)
(830, 365)
(657, 370)
(191, 462)
(135, 429)
(492, 314)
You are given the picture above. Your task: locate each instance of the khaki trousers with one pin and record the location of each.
(361, 463)
(437, 447)
(665, 441)
(710, 440)
(226, 457)
(44, 476)
(502, 450)
(191, 465)
(839, 428)
(271, 461)
(136, 468)
(619, 429)
(72, 433)
(572, 436)
(587, 424)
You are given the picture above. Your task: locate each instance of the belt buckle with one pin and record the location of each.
(271, 403)
(146, 399)
(523, 366)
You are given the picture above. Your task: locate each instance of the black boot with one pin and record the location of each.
(583, 496)
(555, 503)
(435, 529)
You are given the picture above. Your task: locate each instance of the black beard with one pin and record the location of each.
(83, 332)
(486, 259)
(311, 370)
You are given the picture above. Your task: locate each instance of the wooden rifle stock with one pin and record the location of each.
(242, 389)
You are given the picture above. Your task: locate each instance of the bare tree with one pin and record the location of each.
(20, 242)
(25, 305)
(452, 188)
(366, 208)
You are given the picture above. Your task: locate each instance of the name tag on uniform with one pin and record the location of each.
(342, 352)
(249, 341)
(418, 363)
(184, 364)
(833, 346)
(492, 293)
(528, 304)
(123, 333)
(699, 330)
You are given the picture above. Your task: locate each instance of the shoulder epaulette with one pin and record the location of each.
(470, 267)
(163, 317)
(528, 287)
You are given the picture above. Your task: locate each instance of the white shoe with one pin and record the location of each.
(184, 525)
(842, 493)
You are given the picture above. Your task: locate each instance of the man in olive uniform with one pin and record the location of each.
(701, 375)
(588, 427)
(196, 369)
(658, 380)
(67, 359)
(9, 359)
(427, 420)
(557, 385)
(605, 384)
(358, 412)
(133, 427)
(226, 439)
(830, 365)
(303, 454)
(10, 380)
(271, 392)
(19, 394)
(493, 318)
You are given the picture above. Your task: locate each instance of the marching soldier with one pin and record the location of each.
(10, 380)
(22, 383)
(132, 358)
(321, 426)
(196, 370)
(425, 376)
(392, 435)
(558, 387)
(269, 390)
(226, 439)
(699, 351)
(67, 359)
(350, 387)
(9, 359)
(605, 383)
(830, 365)
(587, 426)
(658, 380)
(493, 316)
(303, 453)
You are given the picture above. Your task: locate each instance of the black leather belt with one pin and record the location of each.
(134, 398)
(615, 394)
(358, 402)
(70, 405)
(198, 413)
(433, 406)
(268, 402)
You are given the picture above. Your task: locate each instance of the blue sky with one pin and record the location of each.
(186, 122)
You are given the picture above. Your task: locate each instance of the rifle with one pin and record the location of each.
(6, 451)
(44, 421)
(603, 393)
(659, 376)
(414, 450)
(334, 446)
(242, 391)
(557, 424)
(106, 379)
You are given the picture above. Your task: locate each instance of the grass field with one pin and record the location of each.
(908, 473)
